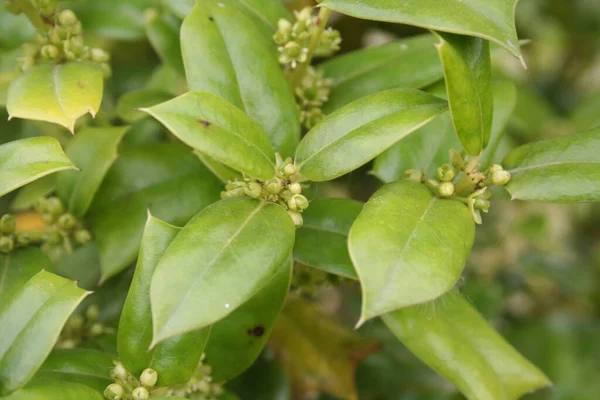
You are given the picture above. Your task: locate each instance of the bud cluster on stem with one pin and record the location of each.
(127, 386)
(79, 328)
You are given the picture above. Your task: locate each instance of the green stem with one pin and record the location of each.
(32, 13)
(315, 39)
(464, 185)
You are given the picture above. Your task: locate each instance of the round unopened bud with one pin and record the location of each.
(140, 393)
(114, 391)
(301, 202)
(52, 236)
(82, 236)
(296, 218)
(445, 173)
(75, 322)
(55, 206)
(496, 168)
(96, 329)
(7, 244)
(50, 52)
(67, 18)
(415, 175)
(457, 160)
(48, 219)
(446, 189)
(106, 70)
(92, 313)
(289, 169)
(68, 344)
(148, 378)
(23, 238)
(295, 188)
(7, 224)
(66, 221)
(500, 178)
(481, 204)
(253, 190)
(119, 372)
(77, 43)
(100, 56)
(274, 186)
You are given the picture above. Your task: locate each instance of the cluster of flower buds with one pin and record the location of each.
(200, 386)
(307, 280)
(79, 328)
(294, 39)
(311, 94)
(127, 386)
(8, 237)
(63, 42)
(460, 178)
(61, 228)
(45, 7)
(284, 189)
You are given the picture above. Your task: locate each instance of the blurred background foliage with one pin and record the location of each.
(535, 269)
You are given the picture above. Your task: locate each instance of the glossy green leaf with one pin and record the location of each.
(82, 265)
(32, 192)
(225, 53)
(559, 170)
(216, 128)
(322, 241)
(467, 68)
(488, 19)
(129, 104)
(408, 63)
(408, 247)
(163, 34)
(237, 340)
(55, 390)
(175, 359)
(360, 131)
(93, 151)
(16, 268)
(223, 172)
(56, 93)
(26, 160)
(146, 177)
(452, 338)
(30, 323)
(221, 258)
(85, 366)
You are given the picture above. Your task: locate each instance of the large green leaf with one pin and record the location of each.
(322, 241)
(92, 151)
(467, 68)
(163, 34)
(408, 247)
(30, 323)
(16, 268)
(167, 179)
(560, 170)
(409, 63)
(26, 160)
(85, 366)
(175, 359)
(360, 131)
(55, 390)
(452, 338)
(216, 128)
(221, 258)
(56, 93)
(225, 53)
(237, 340)
(488, 19)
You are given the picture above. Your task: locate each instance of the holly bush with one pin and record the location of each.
(265, 199)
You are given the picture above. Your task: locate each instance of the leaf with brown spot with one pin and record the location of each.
(318, 353)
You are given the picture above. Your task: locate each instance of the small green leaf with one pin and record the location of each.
(322, 240)
(26, 160)
(163, 34)
(237, 340)
(408, 63)
(30, 323)
(55, 390)
(85, 366)
(226, 54)
(16, 268)
(559, 170)
(408, 247)
(221, 258)
(488, 19)
(175, 359)
(142, 178)
(93, 151)
(360, 131)
(59, 94)
(130, 103)
(467, 67)
(451, 337)
(216, 128)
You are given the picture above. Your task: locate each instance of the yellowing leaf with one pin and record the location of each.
(317, 353)
(56, 93)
